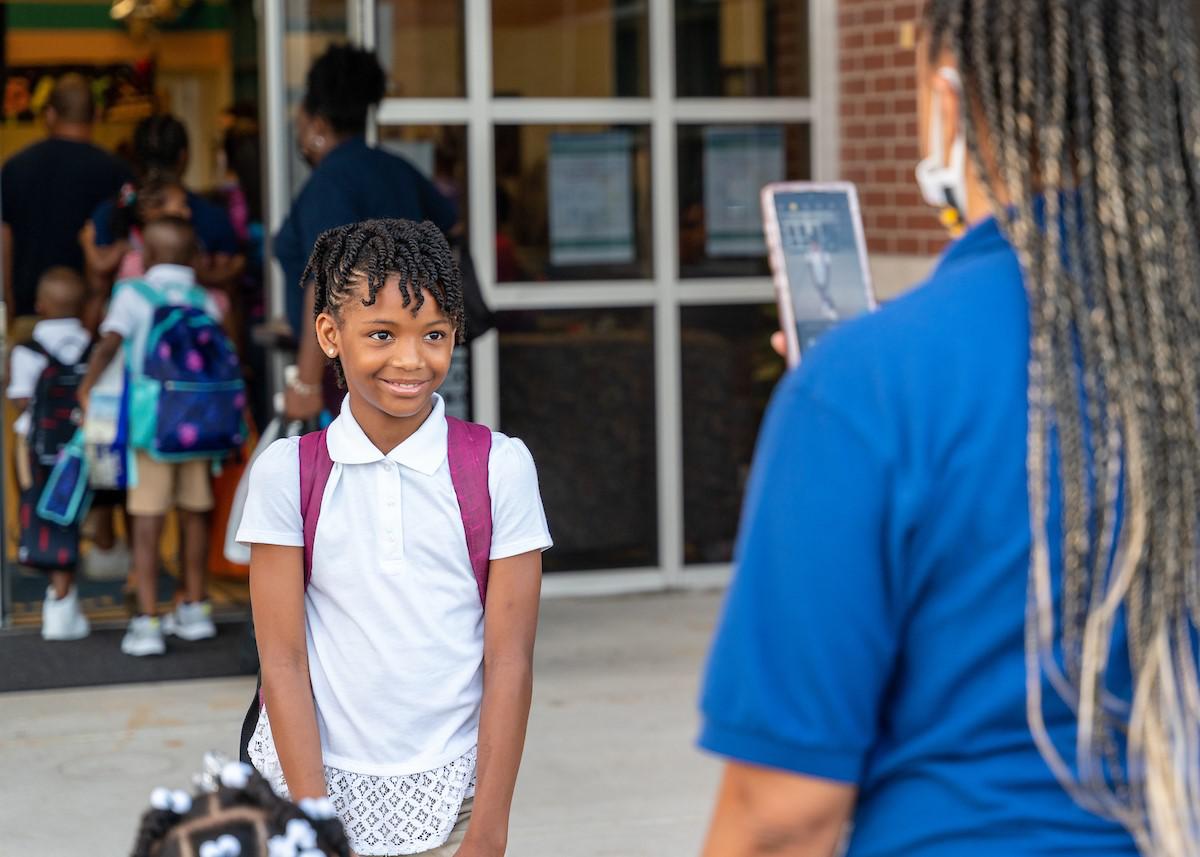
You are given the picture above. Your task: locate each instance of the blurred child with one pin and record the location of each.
(43, 384)
(169, 250)
(235, 814)
(157, 196)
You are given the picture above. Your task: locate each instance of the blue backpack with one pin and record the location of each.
(188, 400)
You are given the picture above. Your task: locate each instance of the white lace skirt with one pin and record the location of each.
(383, 816)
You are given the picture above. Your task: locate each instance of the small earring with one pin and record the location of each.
(332, 353)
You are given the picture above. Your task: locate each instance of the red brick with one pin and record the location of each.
(910, 197)
(853, 40)
(875, 153)
(876, 107)
(855, 131)
(854, 86)
(885, 83)
(909, 246)
(848, 17)
(884, 38)
(919, 222)
(907, 150)
(873, 61)
(886, 175)
(903, 59)
(886, 128)
(888, 220)
(848, 108)
(904, 12)
(874, 15)
(876, 199)
(850, 63)
(905, 106)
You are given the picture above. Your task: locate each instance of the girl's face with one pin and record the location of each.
(393, 361)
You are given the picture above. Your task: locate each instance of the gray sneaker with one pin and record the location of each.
(190, 622)
(144, 637)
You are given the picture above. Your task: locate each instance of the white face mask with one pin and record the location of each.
(942, 179)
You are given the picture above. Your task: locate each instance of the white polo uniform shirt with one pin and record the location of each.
(394, 622)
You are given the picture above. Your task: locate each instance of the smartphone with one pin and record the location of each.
(818, 256)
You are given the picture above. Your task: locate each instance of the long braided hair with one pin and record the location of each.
(346, 257)
(1083, 118)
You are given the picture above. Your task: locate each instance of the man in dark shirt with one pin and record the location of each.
(48, 190)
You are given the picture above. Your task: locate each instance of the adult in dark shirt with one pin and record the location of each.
(48, 190)
(160, 147)
(350, 182)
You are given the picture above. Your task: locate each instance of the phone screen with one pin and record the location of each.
(816, 238)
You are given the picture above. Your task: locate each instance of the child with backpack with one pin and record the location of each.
(376, 545)
(43, 385)
(185, 402)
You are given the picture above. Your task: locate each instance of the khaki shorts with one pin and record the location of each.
(456, 835)
(162, 486)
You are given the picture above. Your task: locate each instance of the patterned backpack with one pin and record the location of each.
(188, 400)
(468, 450)
(54, 405)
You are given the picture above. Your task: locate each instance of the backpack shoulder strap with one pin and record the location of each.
(468, 448)
(315, 467)
(144, 289)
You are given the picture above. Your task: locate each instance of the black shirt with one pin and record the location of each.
(47, 192)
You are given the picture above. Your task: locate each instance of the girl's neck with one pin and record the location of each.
(383, 430)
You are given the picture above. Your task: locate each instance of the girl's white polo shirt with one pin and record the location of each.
(394, 623)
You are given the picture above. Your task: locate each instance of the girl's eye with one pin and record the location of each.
(435, 336)
(380, 335)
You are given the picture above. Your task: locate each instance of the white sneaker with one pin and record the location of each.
(62, 619)
(111, 564)
(144, 637)
(190, 621)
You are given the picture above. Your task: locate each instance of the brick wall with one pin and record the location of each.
(879, 136)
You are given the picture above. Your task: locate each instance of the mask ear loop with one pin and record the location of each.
(951, 209)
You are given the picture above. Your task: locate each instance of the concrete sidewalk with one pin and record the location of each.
(609, 771)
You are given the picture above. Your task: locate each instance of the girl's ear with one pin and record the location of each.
(327, 334)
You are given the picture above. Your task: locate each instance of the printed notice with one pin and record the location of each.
(591, 199)
(738, 162)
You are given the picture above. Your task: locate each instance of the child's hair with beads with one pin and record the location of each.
(237, 814)
(346, 258)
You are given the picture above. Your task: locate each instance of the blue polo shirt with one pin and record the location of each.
(873, 633)
(353, 182)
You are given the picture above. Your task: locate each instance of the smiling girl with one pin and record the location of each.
(371, 565)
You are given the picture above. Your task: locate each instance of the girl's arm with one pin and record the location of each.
(510, 623)
(277, 598)
(102, 355)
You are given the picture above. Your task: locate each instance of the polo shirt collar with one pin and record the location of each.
(170, 275)
(423, 452)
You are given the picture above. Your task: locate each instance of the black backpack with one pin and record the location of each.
(54, 408)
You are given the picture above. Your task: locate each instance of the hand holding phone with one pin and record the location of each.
(818, 257)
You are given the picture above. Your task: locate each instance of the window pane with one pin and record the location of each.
(570, 48)
(722, 169)
(421, 45)
(438, 151)
(310, 27)
(572, 202)
(729, 370)
(741, 48)
(578, 387)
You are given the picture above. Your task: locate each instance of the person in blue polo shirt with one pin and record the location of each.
(962, 620)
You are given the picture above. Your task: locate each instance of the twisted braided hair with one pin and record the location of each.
(373, 250)
(252, 814)
(1086, 115)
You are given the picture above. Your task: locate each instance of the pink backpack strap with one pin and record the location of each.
(469, 447)
(315, 467)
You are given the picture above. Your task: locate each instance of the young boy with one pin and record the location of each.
(170, 250)
(61, 338)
